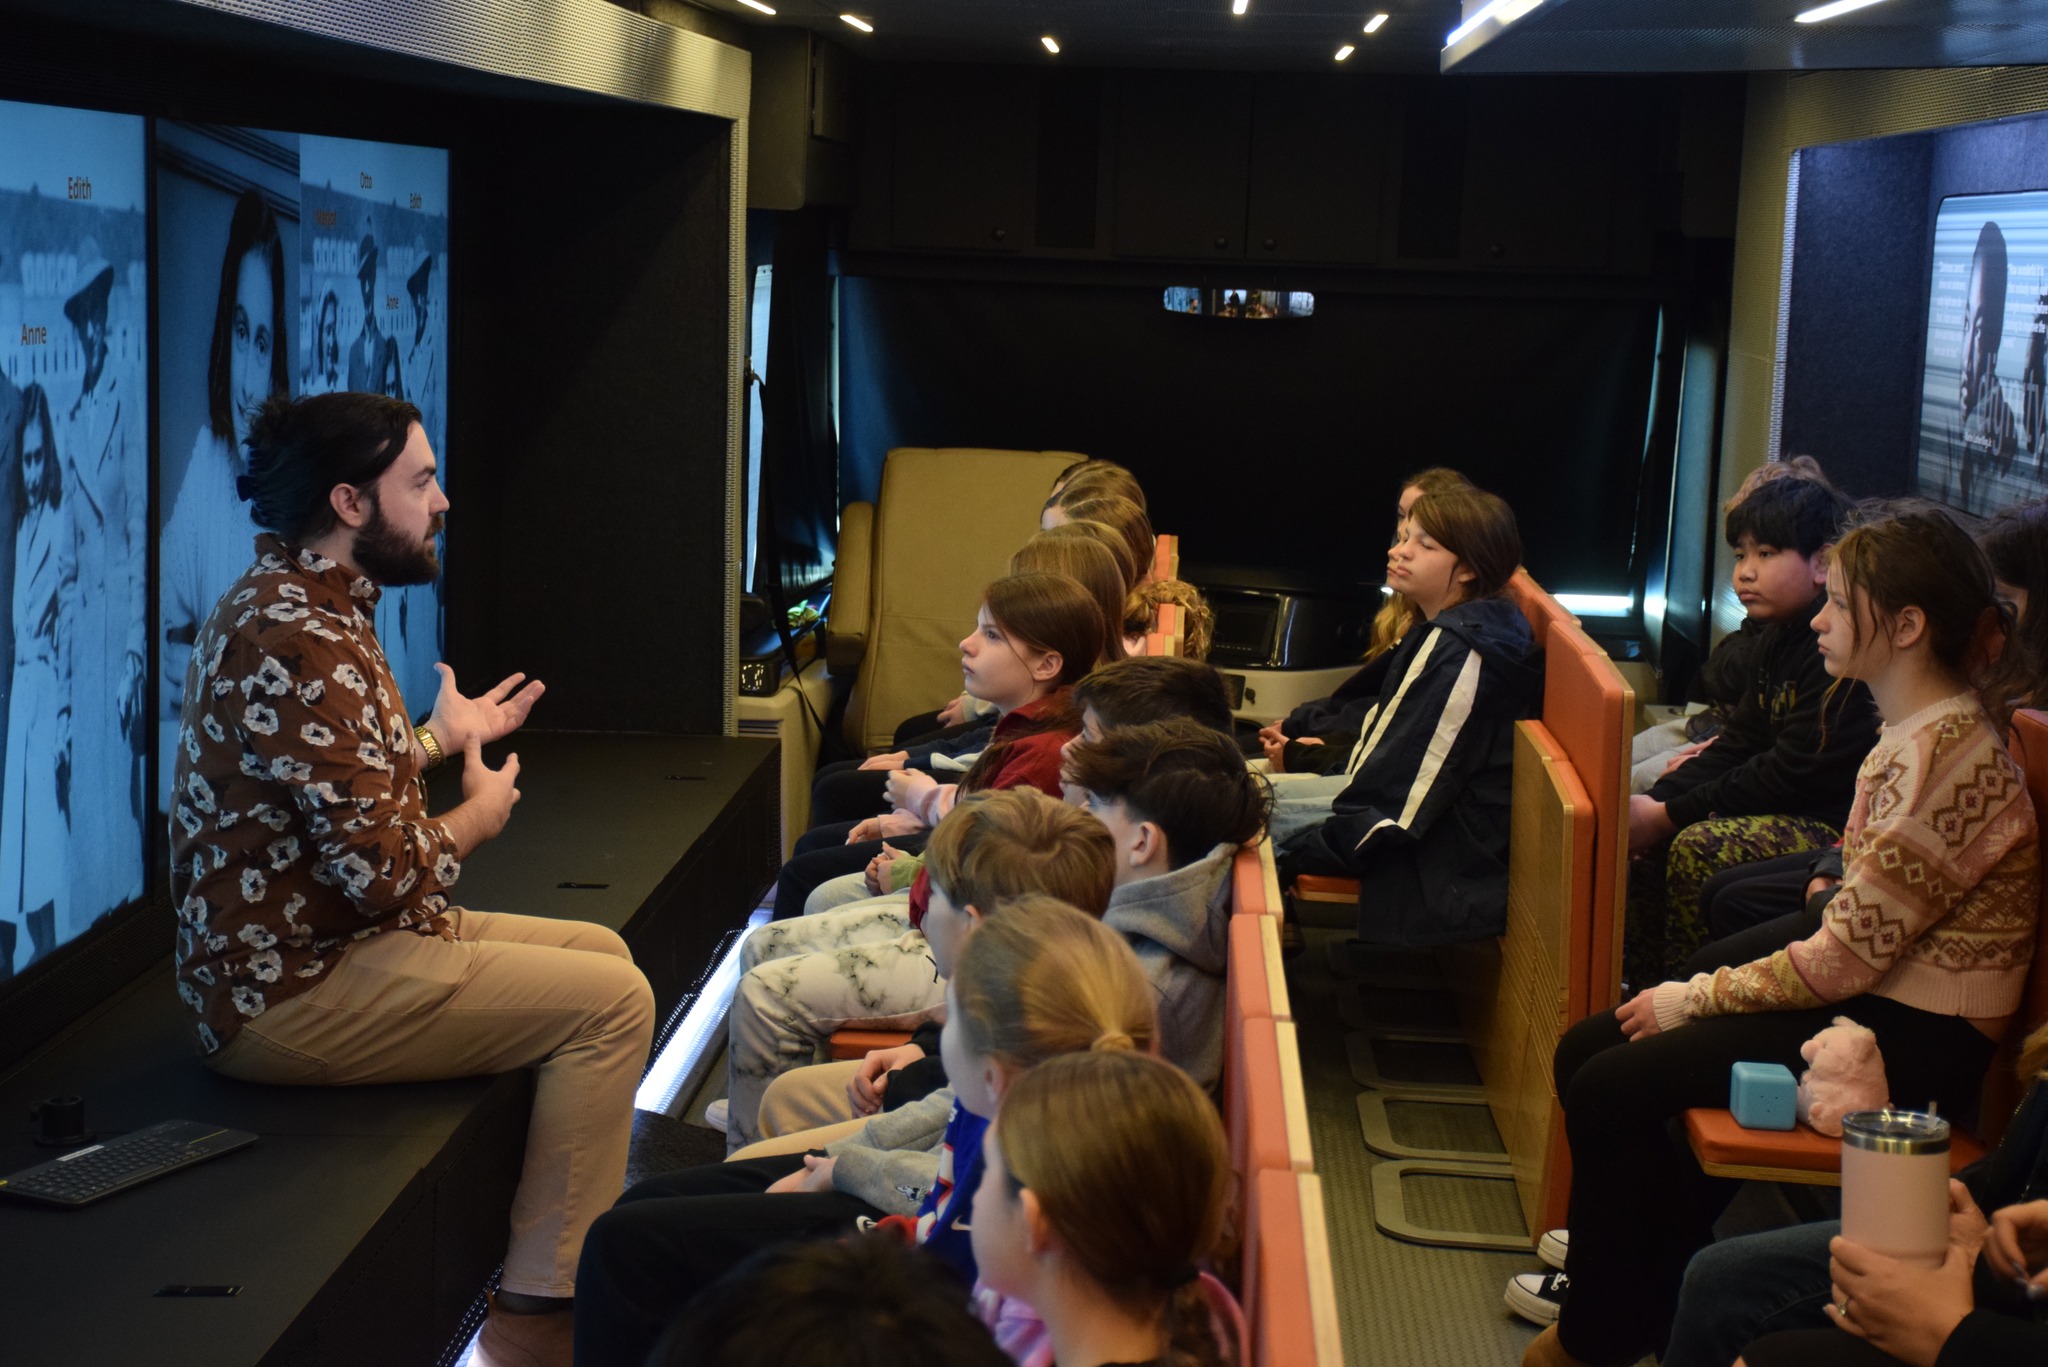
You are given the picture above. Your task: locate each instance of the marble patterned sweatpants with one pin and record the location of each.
(803, 978)
(1665, 927)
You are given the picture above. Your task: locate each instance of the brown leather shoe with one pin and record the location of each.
(1545, 1350)
(510, 1340)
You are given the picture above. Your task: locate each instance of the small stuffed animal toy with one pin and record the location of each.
(1845, 1073)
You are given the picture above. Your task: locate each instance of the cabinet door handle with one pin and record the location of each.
(999, 233)
(1268, 244)
(1222, 244)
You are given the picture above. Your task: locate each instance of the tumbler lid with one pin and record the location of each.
(1889, 1131)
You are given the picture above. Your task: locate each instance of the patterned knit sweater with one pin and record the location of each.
(1939, 893)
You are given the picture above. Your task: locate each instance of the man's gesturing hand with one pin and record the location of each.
(459, 721)
(488, 796)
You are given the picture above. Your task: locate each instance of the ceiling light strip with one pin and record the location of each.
(1345, 51)
(1495, 11)
(1051, 44)
(1815, 16)
(1376, 23)
(863, 25)
(757, 5)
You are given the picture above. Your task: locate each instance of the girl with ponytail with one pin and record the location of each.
(1101, 1226)
(1034, 979)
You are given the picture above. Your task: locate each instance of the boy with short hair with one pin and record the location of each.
(1179, 803)
(1780, 775)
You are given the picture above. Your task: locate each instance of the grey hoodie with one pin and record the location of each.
(894, 1160)
(1179, 923)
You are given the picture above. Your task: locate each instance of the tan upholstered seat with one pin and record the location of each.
(911, 569)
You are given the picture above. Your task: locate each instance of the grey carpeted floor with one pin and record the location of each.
(1401, 1305)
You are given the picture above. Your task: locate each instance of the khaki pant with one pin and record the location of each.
(805, 1109)
(510, 992)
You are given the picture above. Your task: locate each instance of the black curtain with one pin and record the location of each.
(799, 510)
(1275, 445)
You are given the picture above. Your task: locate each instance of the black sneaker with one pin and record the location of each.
(1538, 1296)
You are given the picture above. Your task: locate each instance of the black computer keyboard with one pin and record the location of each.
(84, 1176)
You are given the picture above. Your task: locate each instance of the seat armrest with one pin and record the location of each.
(848, 620)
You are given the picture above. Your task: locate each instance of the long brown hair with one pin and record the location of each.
(1398, 615)
(1119, 549)
(1477, 527)
(1095, 479)
(1909, 553)
(2015, 542)
(1045, 612)
(1139, 1194)
(1084, 560)
(1121, 516)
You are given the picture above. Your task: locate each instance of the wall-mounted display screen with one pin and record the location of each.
(292, 264)
(1983, 429)
(74, 546)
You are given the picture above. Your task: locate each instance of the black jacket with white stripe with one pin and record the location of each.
(1424, 821)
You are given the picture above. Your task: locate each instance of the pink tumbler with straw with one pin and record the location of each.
(1895, 1184)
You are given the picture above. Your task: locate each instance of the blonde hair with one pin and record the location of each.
(1398, 615)
(2034, 1054)
(997, 846)
(1200, 627)
(1038, 979)
(1139, 1194)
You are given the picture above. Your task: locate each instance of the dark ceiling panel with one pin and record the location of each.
(1756, 35)
(1273, 35)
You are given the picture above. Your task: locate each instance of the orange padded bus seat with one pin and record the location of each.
(856, 1044)
(1799, 1154)
(1318, 887)
(1166, 556)
(1248, 882)
(1290, 1295)
(1258, 1101)
(1589, 710)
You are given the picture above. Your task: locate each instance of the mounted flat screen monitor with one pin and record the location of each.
(74, 536)
(1207, 302)
(290, 264)
(1983, 430)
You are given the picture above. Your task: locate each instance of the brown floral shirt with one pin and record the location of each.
(297, 825)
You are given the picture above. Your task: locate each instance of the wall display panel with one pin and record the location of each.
(305, 265)
(73, 523)
(1983, 438)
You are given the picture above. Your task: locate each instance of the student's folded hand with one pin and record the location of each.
(871, 1079)
(816, 1176)
(2018, 1243)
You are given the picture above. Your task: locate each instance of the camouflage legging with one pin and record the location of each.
(1665, 927)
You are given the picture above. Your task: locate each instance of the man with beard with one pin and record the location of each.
(317, 944)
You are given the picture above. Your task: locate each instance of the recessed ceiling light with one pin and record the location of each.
(863, 25)
(1240, 6)
(1376, 23)
(756, 4)
(1051, 45)
(1814, 16)
(1345, 51)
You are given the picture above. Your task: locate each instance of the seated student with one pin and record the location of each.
(1752, 909)
(802, 980)
(1142, 610)
(1120, 515)
(1130, 692)
(1765, 1289)
(1724, 676)
(1031, 980)
(1926, 943)
(850, 1302)
(1179, 803)
(1095, 479)
(1778, 777)
(851, 790)
(1420, 813)
(1316, 737)
(1100, 1227)
(1035, 636)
